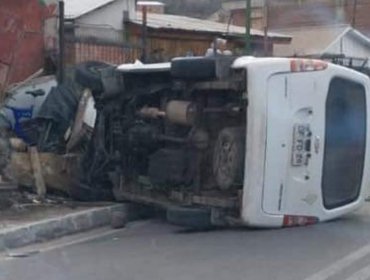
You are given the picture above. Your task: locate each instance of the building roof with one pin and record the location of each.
(76, 8)
(175, 22)
(150, 3)
(315, 40)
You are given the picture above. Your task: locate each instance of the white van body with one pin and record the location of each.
(306, 160)
(304, 123)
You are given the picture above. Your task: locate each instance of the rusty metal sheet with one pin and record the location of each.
(28, 29)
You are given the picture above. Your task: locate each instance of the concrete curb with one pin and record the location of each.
(57, 227)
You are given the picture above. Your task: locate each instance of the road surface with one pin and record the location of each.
(154, 250)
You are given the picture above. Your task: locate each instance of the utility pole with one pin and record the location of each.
(354, 13)
(60, 70)
(248, 23)
(144, 55)
(266, 28)
(145, 9)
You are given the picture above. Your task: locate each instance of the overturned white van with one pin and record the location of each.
(263, 142)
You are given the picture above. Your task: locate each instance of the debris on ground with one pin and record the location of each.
(37, 126)
(19, 207)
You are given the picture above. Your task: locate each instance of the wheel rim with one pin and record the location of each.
(225, 162)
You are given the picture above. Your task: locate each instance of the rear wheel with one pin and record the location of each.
(228, 160)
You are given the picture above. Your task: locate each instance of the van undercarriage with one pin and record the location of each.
(173, 136)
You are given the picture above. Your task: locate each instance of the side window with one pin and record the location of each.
(345, 143)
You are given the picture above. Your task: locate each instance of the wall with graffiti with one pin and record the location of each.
(28, 34)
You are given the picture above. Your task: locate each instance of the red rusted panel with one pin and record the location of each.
(10, 32)
(27, 28)
(28, 59)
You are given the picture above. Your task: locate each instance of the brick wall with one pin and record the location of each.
(258, 20)
(362, 21)
(295, 13)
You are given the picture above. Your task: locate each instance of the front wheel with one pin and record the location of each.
(228, 159)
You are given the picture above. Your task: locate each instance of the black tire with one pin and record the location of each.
(88, 75)
(228, 160)
(193, 218)
(194, 68)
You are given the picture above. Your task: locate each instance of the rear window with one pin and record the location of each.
(345, 141)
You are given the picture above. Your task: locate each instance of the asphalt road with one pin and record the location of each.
(154, 250)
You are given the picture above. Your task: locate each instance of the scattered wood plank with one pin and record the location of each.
(37, 172)
(57, 171)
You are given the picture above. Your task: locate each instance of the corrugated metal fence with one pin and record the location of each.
(101, 43)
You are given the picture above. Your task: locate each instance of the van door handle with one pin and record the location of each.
(317, 144)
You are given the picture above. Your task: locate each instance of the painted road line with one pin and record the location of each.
(58, 243)
(363, 274)
(71, 240)
(341, 264)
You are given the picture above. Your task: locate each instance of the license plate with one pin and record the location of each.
(301, 144)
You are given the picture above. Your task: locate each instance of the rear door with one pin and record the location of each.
(316, 139)
(295, 133)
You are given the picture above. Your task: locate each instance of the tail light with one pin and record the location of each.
(306, 65)
(293, 221)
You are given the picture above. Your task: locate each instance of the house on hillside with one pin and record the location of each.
(321, 41)
(111, 31)
(94, 30)
(297, 13)
(173, 35)
(233, 12)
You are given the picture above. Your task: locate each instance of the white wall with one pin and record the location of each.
(106, 22)
(351, 46)
(110, 14)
